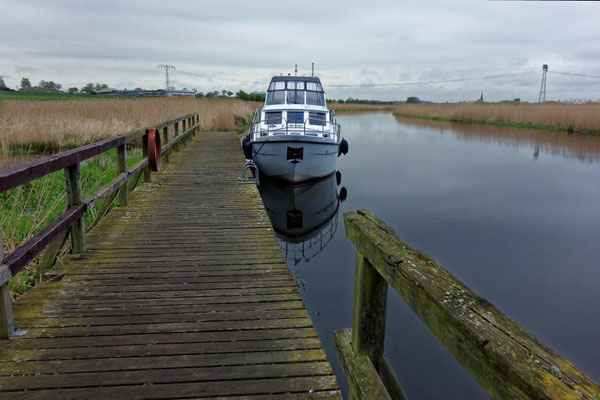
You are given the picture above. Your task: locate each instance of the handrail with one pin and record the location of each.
(72, 219)
(255, 126)
(506, 360)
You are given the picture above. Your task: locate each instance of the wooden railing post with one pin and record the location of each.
(166, 137)
(74, 198)
(147, 177)
(369, 314)
(7, 325)
(122, 167)
(176, 124)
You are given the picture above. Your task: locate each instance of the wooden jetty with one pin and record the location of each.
(182, 293)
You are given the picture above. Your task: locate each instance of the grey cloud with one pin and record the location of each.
(388, 41)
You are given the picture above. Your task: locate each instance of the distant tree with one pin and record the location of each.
(184, 89)
(51, 85)
(223, 93)
(194, 90)
(210, 95)
(242, 95)
(229, 93)
(25, 84)
(199, 94)
(138, 89)
(2, 84)
(72, 90)
(89, 88)
(413, 99)
(100, 86)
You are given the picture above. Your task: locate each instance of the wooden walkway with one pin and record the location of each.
(182, 294)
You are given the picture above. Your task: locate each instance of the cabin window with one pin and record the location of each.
(314, 86)
(315, 98)
(295, 96)
(276, 97)
(316, 118)
(295, 117)
(295, 85)
(273, 117)
(277, 86)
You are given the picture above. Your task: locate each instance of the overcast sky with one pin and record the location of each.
(240, 44)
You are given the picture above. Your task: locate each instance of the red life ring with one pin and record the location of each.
(154, 151)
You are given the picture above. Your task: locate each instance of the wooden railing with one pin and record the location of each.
(506, 360)
(55, 234)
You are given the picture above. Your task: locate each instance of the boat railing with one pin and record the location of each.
(283, 126)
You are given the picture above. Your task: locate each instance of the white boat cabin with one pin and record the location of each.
(295, 105)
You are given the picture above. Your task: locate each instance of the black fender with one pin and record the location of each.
(343, 149)
(247, 147)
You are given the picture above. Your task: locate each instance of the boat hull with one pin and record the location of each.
(295, 158)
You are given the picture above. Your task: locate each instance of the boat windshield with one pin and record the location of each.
(295, 92)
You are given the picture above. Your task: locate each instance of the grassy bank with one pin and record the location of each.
(580, 118)
(37, 126)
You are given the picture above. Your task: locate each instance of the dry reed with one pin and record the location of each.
(67, 123)
(577, 117)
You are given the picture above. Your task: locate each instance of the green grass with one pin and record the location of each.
(29, 208)
(52, 96)
(500, 123)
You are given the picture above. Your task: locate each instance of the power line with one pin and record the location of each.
(429, 82)
(575, 74)
(220, 77)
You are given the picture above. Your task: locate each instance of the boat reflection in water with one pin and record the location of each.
(305, 217)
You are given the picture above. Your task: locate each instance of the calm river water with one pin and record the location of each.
(515, 214)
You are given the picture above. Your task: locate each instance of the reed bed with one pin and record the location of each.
(564, 116)
(59, 124)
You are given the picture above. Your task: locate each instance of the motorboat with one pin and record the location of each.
(294, 137)
(304, 217)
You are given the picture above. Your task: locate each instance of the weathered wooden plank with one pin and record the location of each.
(213, 316)
(168, 376)
(504, 358)
(150, 339)
(191, 389)
(145, 350)
(159, 362)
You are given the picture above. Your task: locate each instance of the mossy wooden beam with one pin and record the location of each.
(363, 379)
(122, 168)
(75, 198)
(506, 360)
(368, 320)
(7, 325)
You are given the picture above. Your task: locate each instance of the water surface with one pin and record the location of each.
(512, 213)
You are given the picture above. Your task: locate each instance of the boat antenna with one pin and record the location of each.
(295, 69)
(313, 70)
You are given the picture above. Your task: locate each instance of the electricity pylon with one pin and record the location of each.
(166, 67)
(542, 97)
